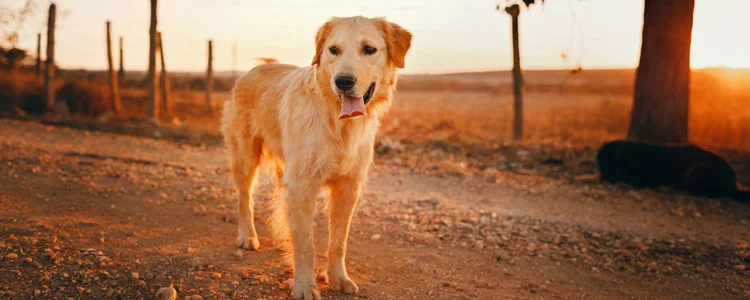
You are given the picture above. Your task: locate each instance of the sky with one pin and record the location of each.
(449, 35)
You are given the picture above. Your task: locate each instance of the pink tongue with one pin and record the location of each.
(352, 107)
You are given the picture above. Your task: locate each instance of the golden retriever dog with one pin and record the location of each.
(316, 125)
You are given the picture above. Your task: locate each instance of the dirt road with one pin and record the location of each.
(88, 215)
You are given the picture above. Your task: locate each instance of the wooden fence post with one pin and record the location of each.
(514, 11)
(38, 54)
(49, 70)
(121, 72)
(114, 92)
(153, 102)
(164, 82)
(210, 77)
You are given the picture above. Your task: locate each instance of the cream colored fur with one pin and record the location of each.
(288, 116)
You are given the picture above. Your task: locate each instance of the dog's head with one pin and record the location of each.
(356, 58)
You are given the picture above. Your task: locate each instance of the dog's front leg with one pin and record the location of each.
(344, 195)
(301, 207)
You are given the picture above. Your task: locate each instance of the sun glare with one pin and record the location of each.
(718, 40)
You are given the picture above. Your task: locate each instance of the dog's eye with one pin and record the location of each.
(369, 50)
(334, 50)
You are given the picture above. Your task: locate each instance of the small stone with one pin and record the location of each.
(235, 283)
(135, 275)
(200, 210)
(375, 237)
(167, 293)
(479, 244)
(216, 275)
(238, 254)
(37, 292)
(198, 261)
(11, 256)
(196, 297)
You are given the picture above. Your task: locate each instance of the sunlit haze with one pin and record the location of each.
(449, 35)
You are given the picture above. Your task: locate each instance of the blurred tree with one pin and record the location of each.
(11, 22)
(662, 82)
(11, 58)
(512, 8)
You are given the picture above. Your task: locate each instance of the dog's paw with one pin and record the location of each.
(305, 291)
(245, 242)
(344, 283)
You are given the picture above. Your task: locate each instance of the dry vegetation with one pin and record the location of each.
(587, 108)
(461, 123)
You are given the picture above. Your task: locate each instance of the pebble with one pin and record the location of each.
(216, 275)
(198, 261)
(196, 297)
(375, 237)
(166, 293)
(238, 254)
(11, 256)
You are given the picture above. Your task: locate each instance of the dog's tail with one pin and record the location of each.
(268, 60)
(278, 224)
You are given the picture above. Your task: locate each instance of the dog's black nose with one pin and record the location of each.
(345, 82)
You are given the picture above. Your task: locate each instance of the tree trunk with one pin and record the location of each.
(38, 54)
(514, 11)
(121, 72)
(662, 83)
(49, 70)
(164, 81)
(153, 100)
(210, 77)
(114, 92)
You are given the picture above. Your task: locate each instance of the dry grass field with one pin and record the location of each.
(582, 109)
(587, 108)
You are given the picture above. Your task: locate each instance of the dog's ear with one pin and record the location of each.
(323, 32)
(398, 40)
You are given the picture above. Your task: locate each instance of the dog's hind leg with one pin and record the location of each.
(344, 194)
(245, 161)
